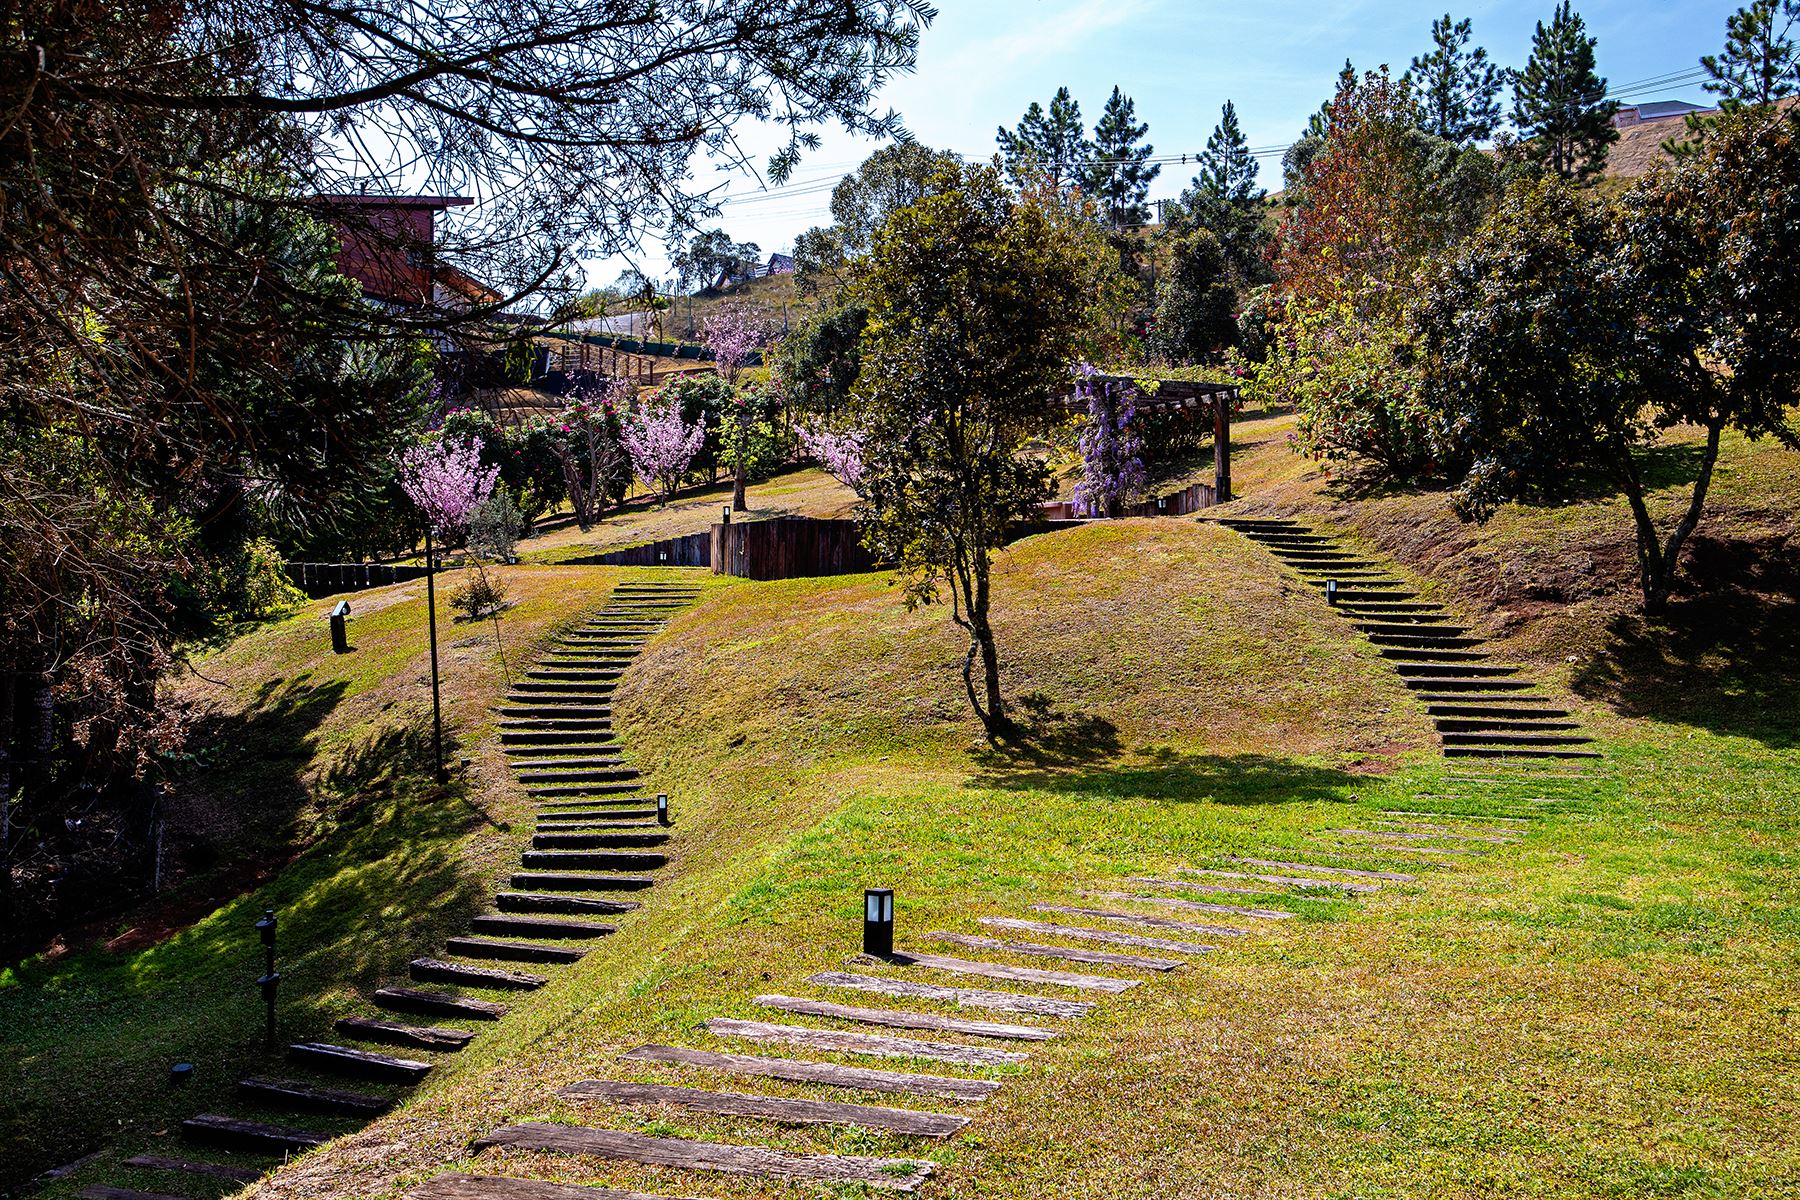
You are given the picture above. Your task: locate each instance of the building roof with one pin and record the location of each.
(371, 200)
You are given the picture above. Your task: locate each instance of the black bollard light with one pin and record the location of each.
(270, 979)
(725, 519)
(662, 809)
(181, 1072)
(340, 637)
(1331, 591)
(878, 922)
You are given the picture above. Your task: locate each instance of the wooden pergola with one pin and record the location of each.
(1188, 394)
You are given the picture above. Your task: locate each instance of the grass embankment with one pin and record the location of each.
(802, 493)
(1599, 1011)
(310, 792)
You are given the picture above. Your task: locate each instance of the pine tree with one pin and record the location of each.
(1759, 64)
(1225, 200)
(1051, 144)
(1319, 124)
(1119, 177)
(1560, 104)
(1457, 88)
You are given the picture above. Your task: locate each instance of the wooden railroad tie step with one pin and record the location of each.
(878, 1045)
(795, 1070)
(619, 1145)
(770, 1108)
(106, 1191)
(1106, 937)
(900, 1018)
(585, 840)
(597, 860)
(471, 947)
(436, 1004)
(1292, 881)
(1230, 910)
(346, 1060)
(531, 902)
(1041, 1006)
(1429, 835)
(1107, 914)
(306, 1097)
(460, 1186)
(433, 970)
(568, 881)
(234, 1133)
(990, 970)
(393, 1033)
(1066, 953)
(1350, 872)
(546, 927)
(158, 1162)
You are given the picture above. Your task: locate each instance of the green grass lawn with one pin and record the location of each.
(1604, 1009)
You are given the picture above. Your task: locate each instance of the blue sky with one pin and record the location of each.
(983, 61)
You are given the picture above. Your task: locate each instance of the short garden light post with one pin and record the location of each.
(662, 809)
(1331, 590)
(878, 922)
(725, 515)
(270, 979)
(340, 636)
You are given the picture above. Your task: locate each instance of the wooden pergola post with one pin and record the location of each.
(1222, 445)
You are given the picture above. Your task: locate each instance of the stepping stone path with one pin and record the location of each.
(1483, 710)
(556, 729)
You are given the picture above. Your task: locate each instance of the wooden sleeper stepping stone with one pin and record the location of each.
(1440, 834)
(1209, 889)
(231, 1174)
(796, 1070)
(104, 1191)
(470, 947)
(1292, 881)
(291, 1093)
(541, 902)
(251, 1135)
(541, 927)
(770, 1108)
(432, 970)
(440, 1004)
(563, 881)
(900, 1018)
(1068, 953)
(599, 860)
(889, 1174)
(595, 840)
(1104, 936)
(1274, 865)
(1231, 910)
(344, 1060)
(1041, 1006)
(1107, 914)
(862, 1043)
(988, 970)
(459, 1186)
(393, 1033)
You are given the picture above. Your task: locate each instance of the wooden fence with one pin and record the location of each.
(1190, 499)
(328, 579)
(789, 548)
(694, 550)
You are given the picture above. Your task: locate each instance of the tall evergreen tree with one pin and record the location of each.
(1051, 144)
(1759, 64)
(1225, 200)
(1118, 177)
(1319, 124)
(1560, 104)
(1457, 87)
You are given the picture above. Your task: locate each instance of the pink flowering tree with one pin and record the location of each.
(447, 481)
(587, 441)
(661, 444)
(733, 334)
(841, 454)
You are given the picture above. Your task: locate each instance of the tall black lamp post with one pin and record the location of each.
(437, 708)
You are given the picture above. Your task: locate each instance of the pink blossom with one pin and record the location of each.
(731, 334)
(447, 481)
(841, 454)
(661, 444)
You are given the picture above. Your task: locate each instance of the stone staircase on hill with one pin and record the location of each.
(556, 728)
(1482, 709)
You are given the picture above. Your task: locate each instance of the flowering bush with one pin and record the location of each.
(661, 444)
(447, 481)
(841, 454)
(530, 470)
(587, 442)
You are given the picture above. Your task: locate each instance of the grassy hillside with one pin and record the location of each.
(1596, 1012)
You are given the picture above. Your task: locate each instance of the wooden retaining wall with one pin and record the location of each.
(328, 579)
(694, 550)
(789, 548)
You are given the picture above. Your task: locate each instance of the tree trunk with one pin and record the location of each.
(8, 693)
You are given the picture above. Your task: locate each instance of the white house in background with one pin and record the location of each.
(1655, 110)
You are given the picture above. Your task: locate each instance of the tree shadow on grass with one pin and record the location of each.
(1724, 655)
(1045, 737)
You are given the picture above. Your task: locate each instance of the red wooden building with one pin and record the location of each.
(389, 246)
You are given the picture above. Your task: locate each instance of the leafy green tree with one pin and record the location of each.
(1559, 102)
(1458, 88)
(979, 299)
(1051, 145)
(891, 178)
(1196, 305)
(709, 255)
(1119, 177)
(1225, 201)
(1680, 309)
(817, 364)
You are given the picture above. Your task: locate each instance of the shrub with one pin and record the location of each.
(494, 528)
(482, 596)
